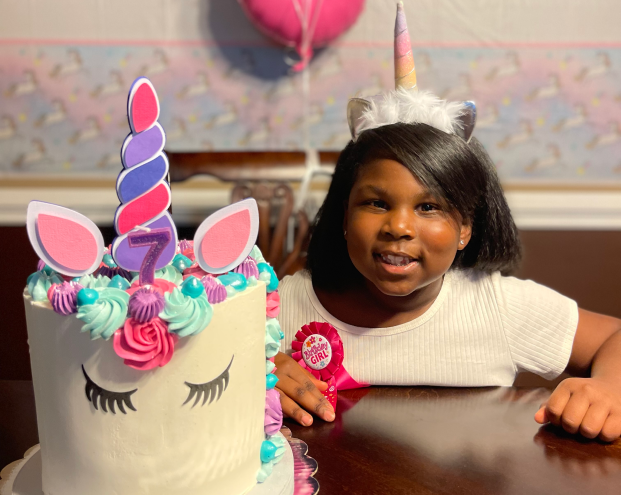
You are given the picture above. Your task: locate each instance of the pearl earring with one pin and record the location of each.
(461, 242)
(344, 233)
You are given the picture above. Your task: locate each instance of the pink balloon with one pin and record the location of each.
(327, 19)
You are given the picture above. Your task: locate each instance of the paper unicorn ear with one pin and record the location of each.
(65, 240)
(226, 237)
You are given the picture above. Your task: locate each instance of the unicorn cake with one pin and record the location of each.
(152, 359)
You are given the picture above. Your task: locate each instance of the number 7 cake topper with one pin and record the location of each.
(142, 188)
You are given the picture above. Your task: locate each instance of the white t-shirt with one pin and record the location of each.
(480, 331)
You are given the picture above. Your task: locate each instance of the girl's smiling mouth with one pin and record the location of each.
(395, 262)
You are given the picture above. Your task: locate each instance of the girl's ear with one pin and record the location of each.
(465, 233)
(345, 206)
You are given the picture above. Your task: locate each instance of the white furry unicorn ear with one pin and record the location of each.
(355, 110)
(466, 121)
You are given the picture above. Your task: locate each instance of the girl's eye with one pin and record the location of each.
(377, 203)
(428, 208)
(107, 399)
(210, 390)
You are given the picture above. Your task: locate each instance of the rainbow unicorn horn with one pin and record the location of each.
(405, 72)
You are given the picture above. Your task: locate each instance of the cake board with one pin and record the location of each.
(23, 477)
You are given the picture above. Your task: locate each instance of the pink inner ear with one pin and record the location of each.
(144, 108)
(66, 242)
(226, 240)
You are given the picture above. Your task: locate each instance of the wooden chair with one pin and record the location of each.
(275, 202)
(265, 176)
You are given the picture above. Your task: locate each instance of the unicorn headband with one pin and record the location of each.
(406, 104)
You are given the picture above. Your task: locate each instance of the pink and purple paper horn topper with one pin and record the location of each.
(143, 190)
(65, 240)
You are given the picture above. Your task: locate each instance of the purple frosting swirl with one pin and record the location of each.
(273, 412)
(40, 265)
(184, 245)
(111, 271)
(63, 297)
(216, 292)
(248, 268)
(145, 304)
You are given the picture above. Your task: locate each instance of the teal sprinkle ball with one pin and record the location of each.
(235, 280)
(181, 262)
(109, 261)
(192, 287)
(268, 451)
(119, 282)
(271, 381)
(273, 285)
(87, 296)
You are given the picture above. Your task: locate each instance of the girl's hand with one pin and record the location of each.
(300, 392)
(589, 405)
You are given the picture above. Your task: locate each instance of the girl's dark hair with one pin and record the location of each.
(460, 174)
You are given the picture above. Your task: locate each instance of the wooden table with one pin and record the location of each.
(419, 440)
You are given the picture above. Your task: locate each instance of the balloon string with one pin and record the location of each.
(305, 48)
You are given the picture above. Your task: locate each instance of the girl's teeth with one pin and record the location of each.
(396, 260)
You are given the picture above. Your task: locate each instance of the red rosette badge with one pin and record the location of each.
(318, 349)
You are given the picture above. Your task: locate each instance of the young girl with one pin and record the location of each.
(409, 261)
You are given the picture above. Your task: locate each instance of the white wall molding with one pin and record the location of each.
(192, 202)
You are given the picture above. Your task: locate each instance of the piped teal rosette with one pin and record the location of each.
(103, 310)
(257, 255)
(185, 314)
(40, 282)
(90, 282)
(272, 451)
(169, 273)
(273, 336)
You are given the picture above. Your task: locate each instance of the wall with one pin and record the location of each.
(545, 76)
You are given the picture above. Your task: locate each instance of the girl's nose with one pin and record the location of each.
(400, 224)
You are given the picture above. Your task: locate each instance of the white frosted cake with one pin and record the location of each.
(194, 424)
(152, 359)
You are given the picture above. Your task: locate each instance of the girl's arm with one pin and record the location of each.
(592, 405)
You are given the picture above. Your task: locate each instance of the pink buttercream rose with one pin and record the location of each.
(145, 346)
(273, 304)
(194, 271)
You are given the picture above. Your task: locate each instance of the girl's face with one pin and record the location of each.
(399, 237)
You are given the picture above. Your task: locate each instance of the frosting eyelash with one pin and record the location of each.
(107, 398)
(208, 390)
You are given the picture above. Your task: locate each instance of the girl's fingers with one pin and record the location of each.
(321, 386)
(574, 412)
(309, 383)
(556, 404)
(292, 410)
(594, 420)
(611, 429)
(540, 416)
(307, 396)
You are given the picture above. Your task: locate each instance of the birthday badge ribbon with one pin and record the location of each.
(318, 348)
